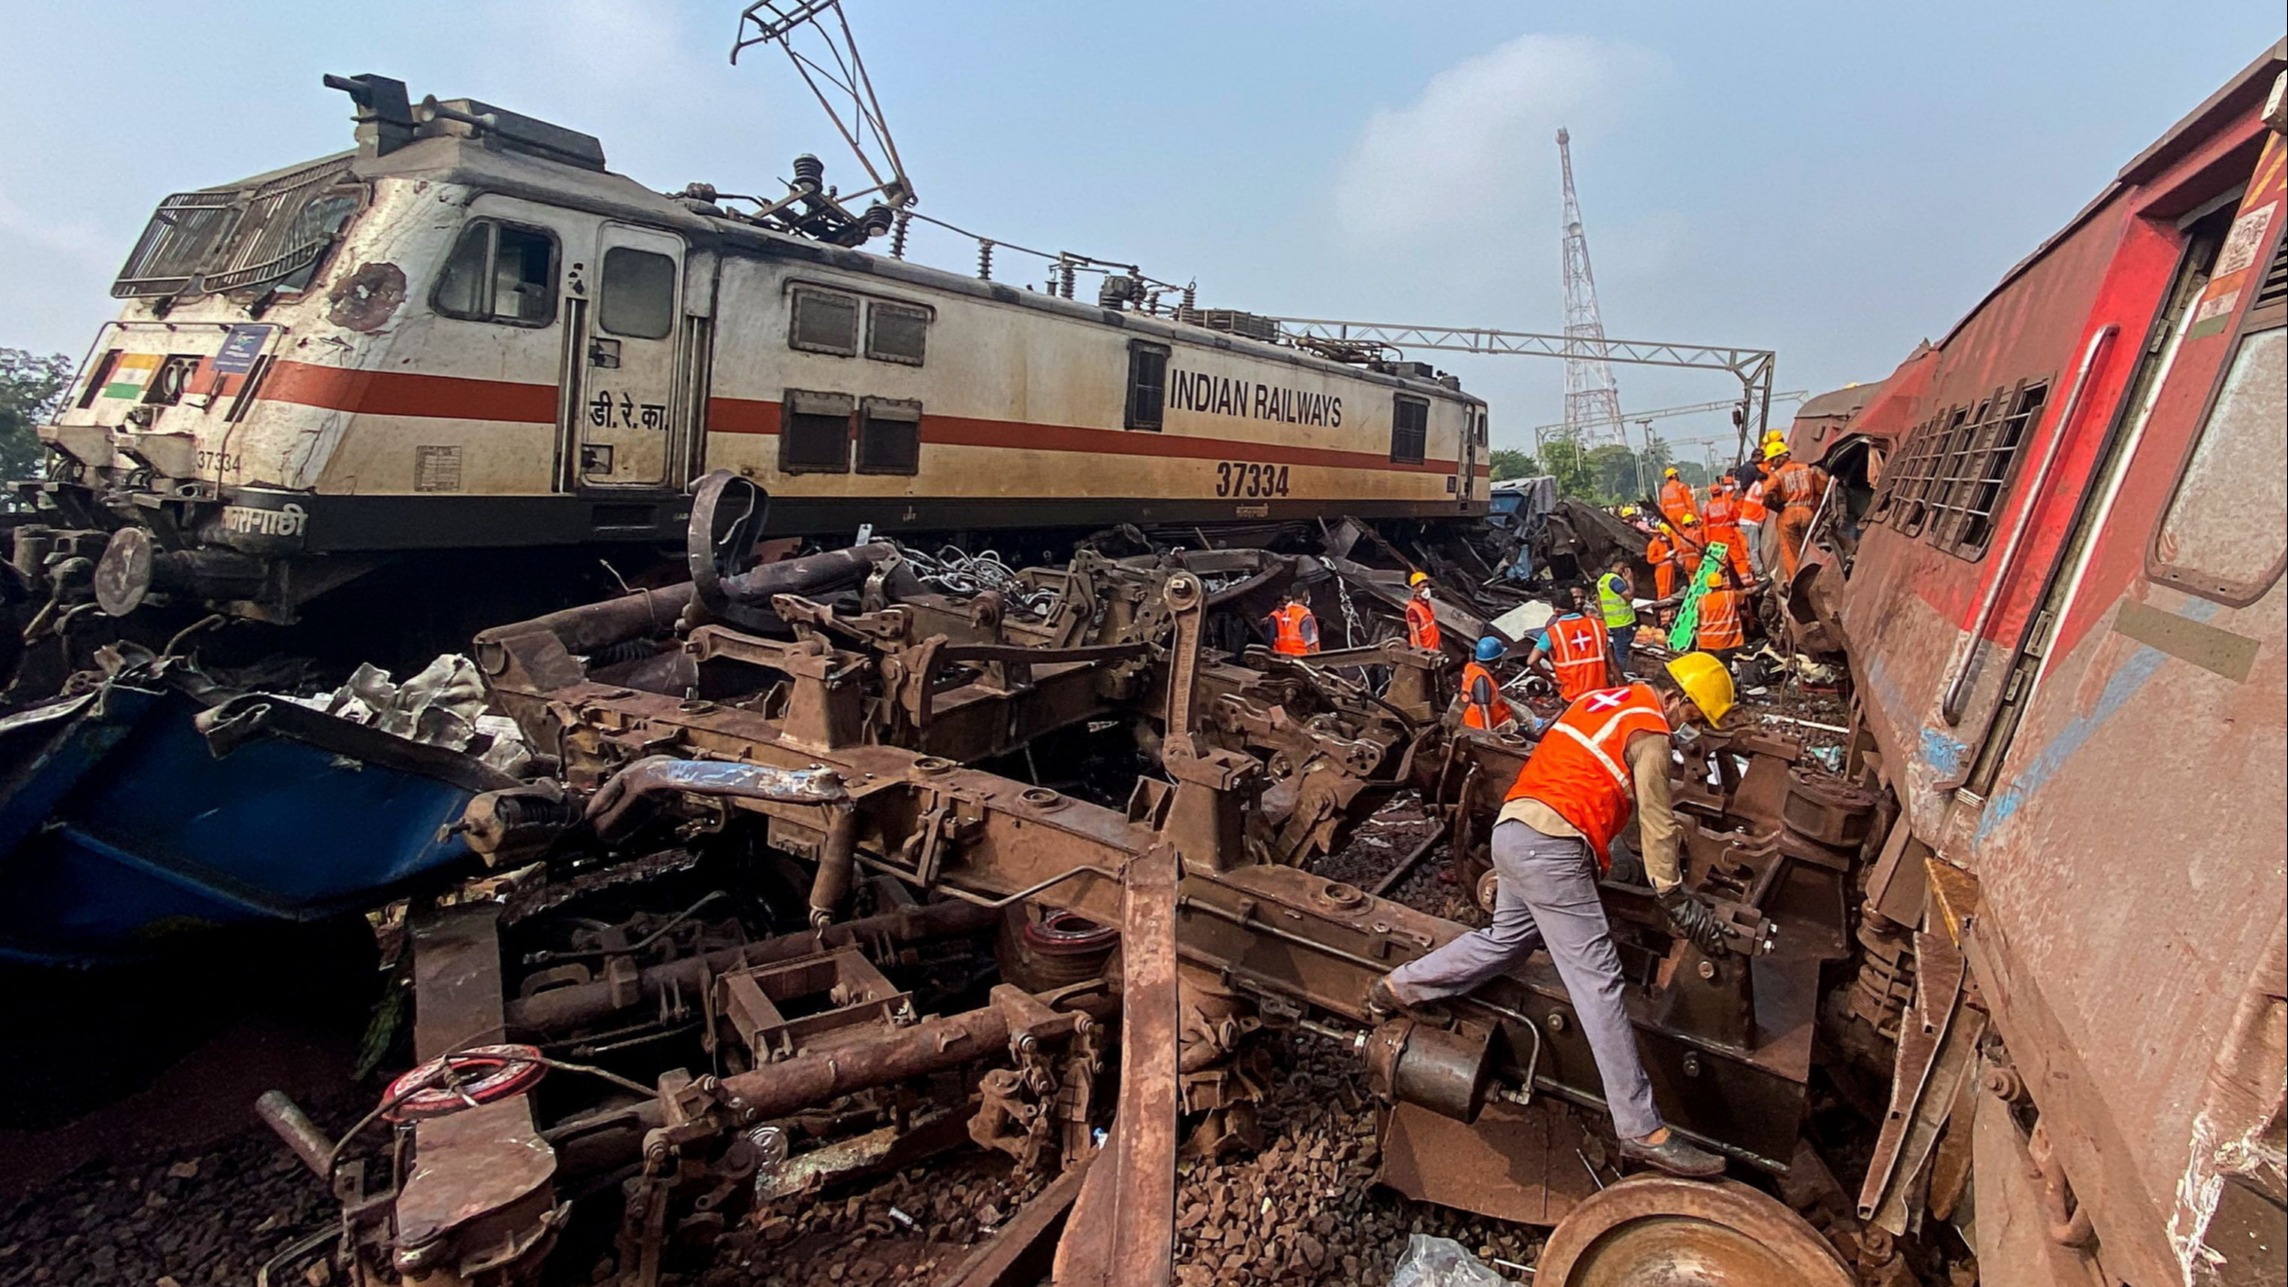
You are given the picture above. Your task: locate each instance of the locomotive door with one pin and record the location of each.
(628, 412)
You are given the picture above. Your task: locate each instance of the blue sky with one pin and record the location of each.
(1831, 180)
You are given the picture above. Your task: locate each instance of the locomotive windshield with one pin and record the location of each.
(271, 231)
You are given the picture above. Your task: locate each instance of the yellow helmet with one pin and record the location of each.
(1690, 521)
(1706, 682)
(1628, 511)
(1417, 578)
(1775, 449)
(1669, 472)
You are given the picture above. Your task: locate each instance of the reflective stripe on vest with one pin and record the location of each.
(1421, 624)
(1291, 640)
(1720, 620)
(1491, 714)
(1580, 767)
(1721, 510)
(1581, 653)
(1614, 605)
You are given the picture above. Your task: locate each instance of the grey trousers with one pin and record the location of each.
(1549, 898)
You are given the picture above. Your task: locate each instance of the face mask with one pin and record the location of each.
(1686, 734)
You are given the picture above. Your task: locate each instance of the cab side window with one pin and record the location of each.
(500, 272)
(638, 294)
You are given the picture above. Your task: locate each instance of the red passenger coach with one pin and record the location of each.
(2065, 617)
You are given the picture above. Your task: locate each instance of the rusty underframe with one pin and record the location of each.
(856, 735)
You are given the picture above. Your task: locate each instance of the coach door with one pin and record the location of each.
(628, 412)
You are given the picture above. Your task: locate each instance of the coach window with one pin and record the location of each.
(814, 436)
(500, 272)
(1987, 474)
(824, 322)
(1147, 385)
(638, 294)
(889, 436)
(2221, 536)
(896, 332)
(1409, 430)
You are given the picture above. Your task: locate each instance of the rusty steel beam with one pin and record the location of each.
(1123, 1227)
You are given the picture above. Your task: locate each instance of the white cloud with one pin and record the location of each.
(1480, 141)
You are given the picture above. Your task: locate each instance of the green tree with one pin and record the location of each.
(1509, 462)
(30, 388)
(1614, 471)
(1566, 462)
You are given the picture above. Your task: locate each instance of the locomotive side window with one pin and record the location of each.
(889, 436)
(896, 333)
(824, 322)
(1409, 429)
(500, 272)
(1147, 385)
(638, 294)
(814, 433)
(2221, 535)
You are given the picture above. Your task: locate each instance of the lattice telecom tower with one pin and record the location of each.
(1592, 397)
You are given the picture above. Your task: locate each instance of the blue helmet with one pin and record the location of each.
(1490, 648)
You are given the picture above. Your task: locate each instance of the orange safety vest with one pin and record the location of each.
(1581, 653)
(1676, 500)
(1295, 631)
(1581, 770)
(1752, 505)
(1658, 551)
(1720, 625)
(1421, 624)
(1489, 714)
(1796, 487)
(1722, 511)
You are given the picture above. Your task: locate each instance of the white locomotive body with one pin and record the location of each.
(467, 334)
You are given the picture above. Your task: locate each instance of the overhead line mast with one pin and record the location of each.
(1592, 396)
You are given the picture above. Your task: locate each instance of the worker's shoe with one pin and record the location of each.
(1675, 1156)
(1383, 1005)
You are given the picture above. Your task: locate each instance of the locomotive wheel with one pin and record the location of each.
(1662, 1231)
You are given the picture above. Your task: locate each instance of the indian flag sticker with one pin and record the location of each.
(130, 374)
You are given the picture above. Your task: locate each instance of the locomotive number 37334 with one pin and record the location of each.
(1246, 478)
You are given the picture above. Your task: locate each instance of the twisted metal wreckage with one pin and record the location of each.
(824, 733)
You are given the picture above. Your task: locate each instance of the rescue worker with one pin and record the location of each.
(1723, 515)
(1294, 631)
(1722, 631)
(1660, 551)
(1483, 705)
(1691, 542)
(1551, 843)
(1421, 615)
(1752, 516)
(1676, 503)
(1797, 488)
(1579, 651)
(1617, 605)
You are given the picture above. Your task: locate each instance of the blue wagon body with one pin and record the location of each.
(140, 813)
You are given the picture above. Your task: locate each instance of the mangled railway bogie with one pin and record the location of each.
(802, 869)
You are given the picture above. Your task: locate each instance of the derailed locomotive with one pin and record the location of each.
(467, 335)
